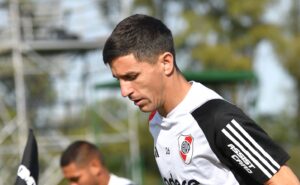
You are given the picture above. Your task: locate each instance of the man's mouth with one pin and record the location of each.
(137, 102)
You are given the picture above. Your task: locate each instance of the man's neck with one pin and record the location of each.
(177, 88)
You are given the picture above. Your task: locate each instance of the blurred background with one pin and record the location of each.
(53, 80)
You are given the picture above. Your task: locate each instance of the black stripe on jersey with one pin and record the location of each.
(238, 142)
(250, 148)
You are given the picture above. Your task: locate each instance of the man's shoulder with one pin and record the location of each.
(215, 109)
(116, 180)
(215, 114)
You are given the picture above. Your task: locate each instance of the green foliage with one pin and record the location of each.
(289, 50)
(225, 34)
(251, 9)
(221, 34)
(290, 56)
(147, 3)
(276, 124)
(285, 131)
(225, 59)
(294, 162)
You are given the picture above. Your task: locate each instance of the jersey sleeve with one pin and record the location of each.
(244, 147)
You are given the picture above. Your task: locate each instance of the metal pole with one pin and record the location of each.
(18, 74)
(134, 145)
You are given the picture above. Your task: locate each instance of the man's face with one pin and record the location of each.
(79, 175)
(141, 82)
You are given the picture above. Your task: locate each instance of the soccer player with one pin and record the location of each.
(82, 164)
(199, 138)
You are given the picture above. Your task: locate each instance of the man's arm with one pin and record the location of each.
(284, 176)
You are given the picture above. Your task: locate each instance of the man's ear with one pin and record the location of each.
(95, 167)
(167, 60)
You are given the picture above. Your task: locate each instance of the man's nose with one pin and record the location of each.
(126, 88)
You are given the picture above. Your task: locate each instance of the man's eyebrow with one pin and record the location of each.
(125, 75)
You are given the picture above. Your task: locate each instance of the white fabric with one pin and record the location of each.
(202, 165)
(115, 180)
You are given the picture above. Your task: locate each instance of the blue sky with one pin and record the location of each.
(276, 88)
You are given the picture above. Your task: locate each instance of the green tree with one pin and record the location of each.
(289, 53)
(220, 34)
(226, 32)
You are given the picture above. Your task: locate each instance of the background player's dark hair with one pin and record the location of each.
(80, 152)
(144, 36)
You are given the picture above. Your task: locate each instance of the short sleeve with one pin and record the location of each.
(246, 147)
(239, 143)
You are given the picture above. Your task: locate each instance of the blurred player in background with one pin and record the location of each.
(82, 164)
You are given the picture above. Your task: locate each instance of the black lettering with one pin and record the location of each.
(193, 182)
(166, 181)
(172, 181)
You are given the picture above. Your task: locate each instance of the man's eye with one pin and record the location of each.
(132, 77)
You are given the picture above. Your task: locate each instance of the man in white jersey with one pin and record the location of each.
(199, 137)
(82, 164)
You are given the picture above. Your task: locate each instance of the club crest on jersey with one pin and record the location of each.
(186, 148)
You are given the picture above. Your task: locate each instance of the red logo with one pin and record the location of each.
(186, 148)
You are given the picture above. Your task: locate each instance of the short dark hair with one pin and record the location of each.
(80, 152)
(141, 35)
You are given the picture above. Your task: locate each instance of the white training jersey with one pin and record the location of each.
(206, 140)
(115, 180)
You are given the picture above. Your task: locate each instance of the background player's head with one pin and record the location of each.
(82, 164)
(143, 36)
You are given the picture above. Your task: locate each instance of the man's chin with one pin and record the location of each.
(146, 109)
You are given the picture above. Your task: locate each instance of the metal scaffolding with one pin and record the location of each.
(35, 41)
